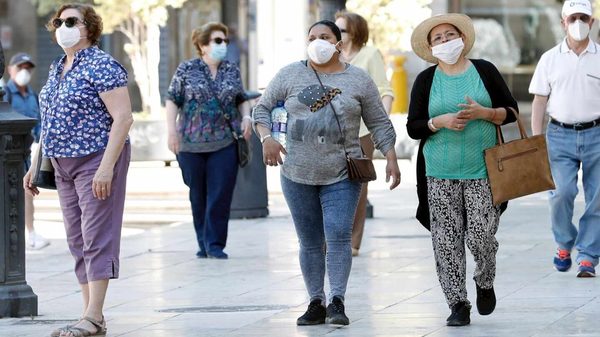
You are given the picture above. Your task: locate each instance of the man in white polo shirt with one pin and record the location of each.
(566, 84)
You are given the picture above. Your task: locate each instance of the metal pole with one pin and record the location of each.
(16, 297)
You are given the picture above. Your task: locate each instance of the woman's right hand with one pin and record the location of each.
(451, 121)
(272, 151)
(28, 185)
(173, 143)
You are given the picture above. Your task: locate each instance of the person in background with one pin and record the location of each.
(454, 109)
(354, 50)
(25, 101)
(204, 92)
(566, 85)
(323, 123)
(86, 116)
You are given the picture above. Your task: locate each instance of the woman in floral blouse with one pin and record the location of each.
(203, 92)
(86, 115)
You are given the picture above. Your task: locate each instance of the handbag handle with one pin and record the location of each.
(519, 124)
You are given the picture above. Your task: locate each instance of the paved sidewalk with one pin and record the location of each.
(393, 291)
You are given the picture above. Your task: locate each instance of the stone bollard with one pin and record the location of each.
(16, 296)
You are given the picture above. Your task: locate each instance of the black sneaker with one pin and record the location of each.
(335, 312)
(315, 314)
(486, 300)
(461, 315)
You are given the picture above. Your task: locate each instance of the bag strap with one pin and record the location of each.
(334, 114)
(519, 124)
(225, 115)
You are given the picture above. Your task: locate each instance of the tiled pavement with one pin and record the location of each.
(393, 290)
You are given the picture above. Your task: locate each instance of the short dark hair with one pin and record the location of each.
(91, 20)
(356, 26)
(334, 28)
(201, 36)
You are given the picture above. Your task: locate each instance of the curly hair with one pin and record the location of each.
(91, 20)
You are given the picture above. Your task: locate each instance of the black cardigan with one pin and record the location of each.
(418, 116)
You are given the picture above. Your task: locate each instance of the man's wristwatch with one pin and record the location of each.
(263, 138)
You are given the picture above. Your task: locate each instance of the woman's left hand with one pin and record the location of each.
(101, 185)
(472, 110)
(247, 128)
(392, 170)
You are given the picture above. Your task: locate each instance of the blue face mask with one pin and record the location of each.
(218, 51)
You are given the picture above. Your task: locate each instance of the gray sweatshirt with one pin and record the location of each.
(314, 141)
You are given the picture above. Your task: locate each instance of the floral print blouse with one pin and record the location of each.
(201, 124)
(75, 121)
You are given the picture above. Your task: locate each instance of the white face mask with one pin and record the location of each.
(448, 52)
(320, 51)
(67, 37)
(579, 30)
(22, 77)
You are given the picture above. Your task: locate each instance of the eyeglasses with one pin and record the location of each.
(219, 40)
(583, 17)
(449, 35)
(69, 22)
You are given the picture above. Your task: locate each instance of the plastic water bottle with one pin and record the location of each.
(279, 123)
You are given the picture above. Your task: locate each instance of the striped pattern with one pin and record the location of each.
(458, 154)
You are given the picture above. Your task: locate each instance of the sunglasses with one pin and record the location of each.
(69, 22)
(343, 30)
(584, 18)
(219, 40)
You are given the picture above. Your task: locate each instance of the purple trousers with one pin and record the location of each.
(93, 225)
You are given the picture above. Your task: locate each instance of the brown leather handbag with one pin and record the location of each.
(359, 169)
(519, 167)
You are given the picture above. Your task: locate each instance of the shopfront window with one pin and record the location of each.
(513, 35)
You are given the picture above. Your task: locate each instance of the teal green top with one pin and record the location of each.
(453, 154)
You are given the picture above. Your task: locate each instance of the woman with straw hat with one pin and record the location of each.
(454, 109)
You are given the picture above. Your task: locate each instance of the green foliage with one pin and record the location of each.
(115, 12)
(45, 7)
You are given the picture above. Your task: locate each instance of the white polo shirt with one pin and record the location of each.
(572, 83)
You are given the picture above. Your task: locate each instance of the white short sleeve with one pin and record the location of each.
(540, 84)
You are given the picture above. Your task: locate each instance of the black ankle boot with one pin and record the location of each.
(461, 314)
(486, 300)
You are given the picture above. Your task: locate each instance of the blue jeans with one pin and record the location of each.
(323, 214)
(211, 178)
(569, 150)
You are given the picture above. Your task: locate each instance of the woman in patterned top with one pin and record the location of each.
(86, 115)
(455, 106)
(204, 92)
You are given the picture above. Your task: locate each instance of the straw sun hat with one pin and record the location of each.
(420, 44)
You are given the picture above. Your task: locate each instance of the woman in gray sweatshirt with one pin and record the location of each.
(314, 178)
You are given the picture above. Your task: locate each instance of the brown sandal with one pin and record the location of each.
(80, 332)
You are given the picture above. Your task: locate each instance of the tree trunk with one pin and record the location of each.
(154, 105)
(143, 50)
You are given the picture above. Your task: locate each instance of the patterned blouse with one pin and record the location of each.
(75, 121)
(200, 122)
